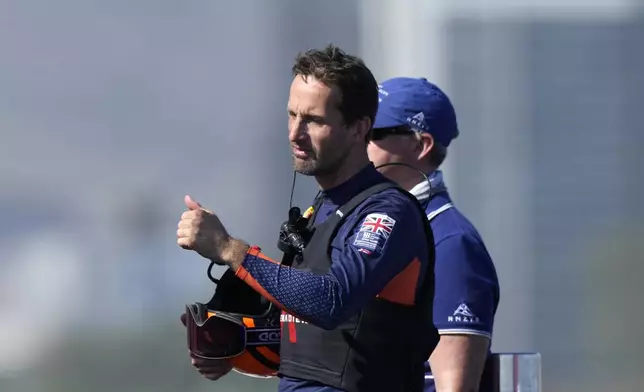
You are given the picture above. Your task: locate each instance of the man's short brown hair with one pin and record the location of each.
(357, 85)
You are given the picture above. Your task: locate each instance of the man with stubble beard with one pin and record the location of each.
(357, 301)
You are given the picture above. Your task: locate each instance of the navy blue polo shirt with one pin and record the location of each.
(467, 288)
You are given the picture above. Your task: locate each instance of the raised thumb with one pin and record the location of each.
(191, 204)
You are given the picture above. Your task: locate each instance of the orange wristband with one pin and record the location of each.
(254, 251)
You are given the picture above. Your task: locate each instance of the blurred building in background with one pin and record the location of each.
(111, 111)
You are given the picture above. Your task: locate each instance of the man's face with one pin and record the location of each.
(393, 147)
(319, 138)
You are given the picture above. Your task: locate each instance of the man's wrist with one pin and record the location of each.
(235, 253)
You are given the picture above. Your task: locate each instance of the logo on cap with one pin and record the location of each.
(418, 121)
(382, 91)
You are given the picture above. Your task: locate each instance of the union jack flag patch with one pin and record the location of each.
(373, 233)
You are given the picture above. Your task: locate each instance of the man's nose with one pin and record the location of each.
(296, 129)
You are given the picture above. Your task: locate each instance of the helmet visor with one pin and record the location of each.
(213, 335)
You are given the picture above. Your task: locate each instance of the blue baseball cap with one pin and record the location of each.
(419, 104)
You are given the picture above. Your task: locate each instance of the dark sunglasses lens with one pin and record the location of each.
(381, 133)
(217, 338)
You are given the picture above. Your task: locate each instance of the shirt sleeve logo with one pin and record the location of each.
(463, 314)
(373, 233)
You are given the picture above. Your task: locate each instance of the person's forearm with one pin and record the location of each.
(457, 363)
(317, 299)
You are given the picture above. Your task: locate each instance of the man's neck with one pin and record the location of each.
(409, 181)
(349, 168)
(407, 178)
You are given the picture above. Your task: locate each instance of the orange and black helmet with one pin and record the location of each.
(239, 324)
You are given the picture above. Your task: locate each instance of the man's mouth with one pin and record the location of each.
(299, 153)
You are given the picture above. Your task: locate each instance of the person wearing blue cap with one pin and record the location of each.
(415, 125)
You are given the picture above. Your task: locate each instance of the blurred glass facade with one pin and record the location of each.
(111, 111)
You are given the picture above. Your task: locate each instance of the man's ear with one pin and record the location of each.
(425, 145)
(361, 129)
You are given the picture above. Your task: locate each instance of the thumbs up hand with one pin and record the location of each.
(201, 230)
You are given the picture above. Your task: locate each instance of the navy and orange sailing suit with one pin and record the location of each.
(358, 304)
